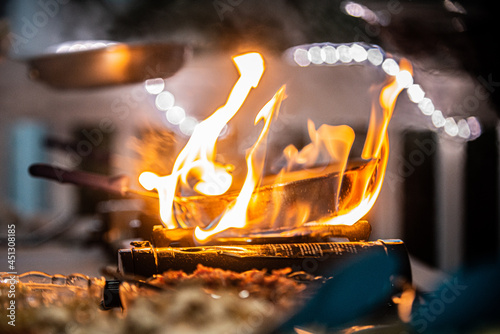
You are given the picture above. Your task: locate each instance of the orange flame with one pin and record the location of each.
(236, 213)
(198, 156)
(330, 145)
(356, 191)
(367, 185)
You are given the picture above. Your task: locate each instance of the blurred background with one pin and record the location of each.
(441, 191)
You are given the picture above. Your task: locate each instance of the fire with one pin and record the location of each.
(353, 194)
(368, 184)
(197, 158)
(236, 214)
(329, 144)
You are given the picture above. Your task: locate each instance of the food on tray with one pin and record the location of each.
(209, 300)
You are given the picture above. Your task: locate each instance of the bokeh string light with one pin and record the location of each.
(328, 54)
(165, 102)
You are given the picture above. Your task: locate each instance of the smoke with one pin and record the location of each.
(235, 24)
(37, 25)
(219, 24)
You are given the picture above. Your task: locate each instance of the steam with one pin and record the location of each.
(230, 25)
(38, 25)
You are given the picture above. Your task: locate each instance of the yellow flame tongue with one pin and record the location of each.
(368, 183)
(329, 144)
(236, 213)
(199, 153)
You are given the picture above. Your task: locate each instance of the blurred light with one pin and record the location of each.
(76, 46)
(224, 131)
(383, 18)
(375, 56)
(463, 129)
(454, 6)
(244, 294)
(165, 100)
(474, 126)
(426, 106)
(458, 24)
(315, 55)
(134, 223)
(331, 55)
(438, 119)
(148, 180)
(344, 53)
(301, 57)
(415, 93)
(187, 126)
(63, 48)
(218, 184)
(175, 115)
(154, 86)
(99, 45)
(404, 79)
(358, 53)
(450, 127)
(354, 9)
(390, 66)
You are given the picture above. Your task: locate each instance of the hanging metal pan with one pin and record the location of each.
(110, 65)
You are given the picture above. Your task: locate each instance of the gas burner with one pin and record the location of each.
(314, 258)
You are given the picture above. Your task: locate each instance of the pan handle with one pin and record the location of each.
(113, 184)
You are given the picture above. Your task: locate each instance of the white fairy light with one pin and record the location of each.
(154, 86)
(426, 106)
(404, 79)
(474, 126)
(164, 101)
(438, 119)
(358, 53)
(187, 126)
(301, 57)
(415, 93)
(390, 66)
(463, 129)
(315, 55)
(331, 54)
(344, 53)
(176, 115)
(451, 127)
(375, 57)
